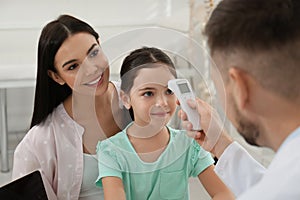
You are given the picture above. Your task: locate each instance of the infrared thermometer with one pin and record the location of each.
(183, 91)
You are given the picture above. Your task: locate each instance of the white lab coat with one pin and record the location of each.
(249, 180)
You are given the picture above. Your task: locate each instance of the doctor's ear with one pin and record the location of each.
(125, 99)
(240, 86)
(56, 77)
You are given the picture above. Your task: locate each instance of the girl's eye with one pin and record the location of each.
(94, 53)
(72, 67)
(169, 92)
(148, 94)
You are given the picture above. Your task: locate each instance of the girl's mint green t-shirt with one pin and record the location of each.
(166, 178)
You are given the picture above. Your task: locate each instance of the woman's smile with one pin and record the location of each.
(95, 82)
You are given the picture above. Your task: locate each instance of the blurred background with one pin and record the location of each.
(21, 23)
(120, 24)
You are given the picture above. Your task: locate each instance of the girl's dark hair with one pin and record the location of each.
(138, 59)
(48, 93)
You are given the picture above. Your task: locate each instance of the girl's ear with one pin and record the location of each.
(56, 77)
(125, 99)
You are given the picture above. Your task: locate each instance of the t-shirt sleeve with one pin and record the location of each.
(107, 161)
(200, 159)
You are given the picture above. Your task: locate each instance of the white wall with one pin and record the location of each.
(21, 22)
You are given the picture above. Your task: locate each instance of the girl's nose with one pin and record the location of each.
(161, 101)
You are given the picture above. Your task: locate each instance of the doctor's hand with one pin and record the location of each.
(212, 137)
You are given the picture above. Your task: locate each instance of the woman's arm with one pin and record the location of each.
(214, 185)
(113, 188)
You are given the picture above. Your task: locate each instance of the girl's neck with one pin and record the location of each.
(148, 148)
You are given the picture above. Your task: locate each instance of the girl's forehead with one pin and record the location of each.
(153, 75)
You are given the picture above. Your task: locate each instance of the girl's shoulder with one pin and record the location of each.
(180, 138)
(177, 133)
(111, 142)
(112, 148)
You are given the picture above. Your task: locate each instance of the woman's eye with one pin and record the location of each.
(94, 53)
(169, 92)
(71, 67)
(148, 94)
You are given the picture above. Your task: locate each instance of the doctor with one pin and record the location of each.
(255, 46)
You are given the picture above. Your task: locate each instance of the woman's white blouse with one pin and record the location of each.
(55, 148)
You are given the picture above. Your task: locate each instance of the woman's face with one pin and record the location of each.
(82, 65)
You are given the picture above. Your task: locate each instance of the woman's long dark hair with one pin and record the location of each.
(48, 93)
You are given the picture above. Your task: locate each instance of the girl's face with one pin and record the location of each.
(82, 65)
(151, 100)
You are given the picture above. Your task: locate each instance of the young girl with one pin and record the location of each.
(148, 159)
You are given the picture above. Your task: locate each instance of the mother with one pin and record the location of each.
(75, 106)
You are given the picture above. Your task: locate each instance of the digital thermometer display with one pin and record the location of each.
(184, 88)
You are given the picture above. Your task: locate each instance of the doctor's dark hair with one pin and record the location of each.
(139, 59)
(266, 34)
(48, 93)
